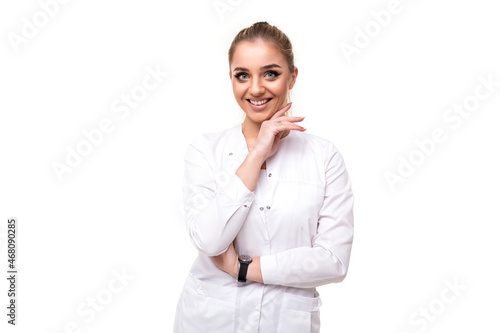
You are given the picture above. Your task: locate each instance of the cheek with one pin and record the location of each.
(279, 89)
(237, 89)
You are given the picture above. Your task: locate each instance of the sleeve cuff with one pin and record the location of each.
(269, 269)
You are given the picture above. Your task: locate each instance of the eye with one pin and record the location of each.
(273, 73)
(238, 75)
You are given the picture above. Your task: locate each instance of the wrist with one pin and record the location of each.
(256, 156)
(235, 269)
(254, 272)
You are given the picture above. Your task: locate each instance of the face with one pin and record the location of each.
(259, 74)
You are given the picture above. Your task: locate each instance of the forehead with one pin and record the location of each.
(253, 55)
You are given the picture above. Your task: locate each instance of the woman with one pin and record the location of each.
(268, 206)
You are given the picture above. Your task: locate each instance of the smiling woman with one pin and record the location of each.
(281, 224)
(269, 66)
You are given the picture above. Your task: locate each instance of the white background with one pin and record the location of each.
(120, 208)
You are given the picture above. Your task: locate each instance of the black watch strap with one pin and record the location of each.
(242, 272)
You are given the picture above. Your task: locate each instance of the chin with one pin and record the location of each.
(261, 116)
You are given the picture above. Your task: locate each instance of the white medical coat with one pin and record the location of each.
(299, 220)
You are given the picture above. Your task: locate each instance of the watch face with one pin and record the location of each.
(245, 259)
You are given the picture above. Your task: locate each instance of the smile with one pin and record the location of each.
(259, 102)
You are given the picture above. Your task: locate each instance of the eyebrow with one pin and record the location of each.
(261, 69)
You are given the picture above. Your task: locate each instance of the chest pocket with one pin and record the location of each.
(299, 204)
(310, 197)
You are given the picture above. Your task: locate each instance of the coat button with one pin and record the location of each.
(230, 154)
(245, 206)
(268, 207)
(261, 208)
(270, 174)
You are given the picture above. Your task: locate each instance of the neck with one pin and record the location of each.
(251, 129)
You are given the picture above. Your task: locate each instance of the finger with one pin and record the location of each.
(291, 126)
(281, 111)
(293, 119)
(298, 128)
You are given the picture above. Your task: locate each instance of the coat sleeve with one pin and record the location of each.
(327, 260)
(216, 202)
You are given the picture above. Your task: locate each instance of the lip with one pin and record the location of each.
(259, 107)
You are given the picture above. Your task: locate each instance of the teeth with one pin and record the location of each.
(259, 103)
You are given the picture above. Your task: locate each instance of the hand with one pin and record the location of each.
(271, 131)
(227, 261)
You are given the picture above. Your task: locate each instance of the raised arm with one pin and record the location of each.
(216, 209)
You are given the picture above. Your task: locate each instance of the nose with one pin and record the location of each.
(256, 87)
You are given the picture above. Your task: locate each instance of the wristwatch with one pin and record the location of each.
(244, 261)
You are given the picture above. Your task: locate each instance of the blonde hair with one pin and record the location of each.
(269, 33)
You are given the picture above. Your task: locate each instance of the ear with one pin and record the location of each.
(294, 78)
